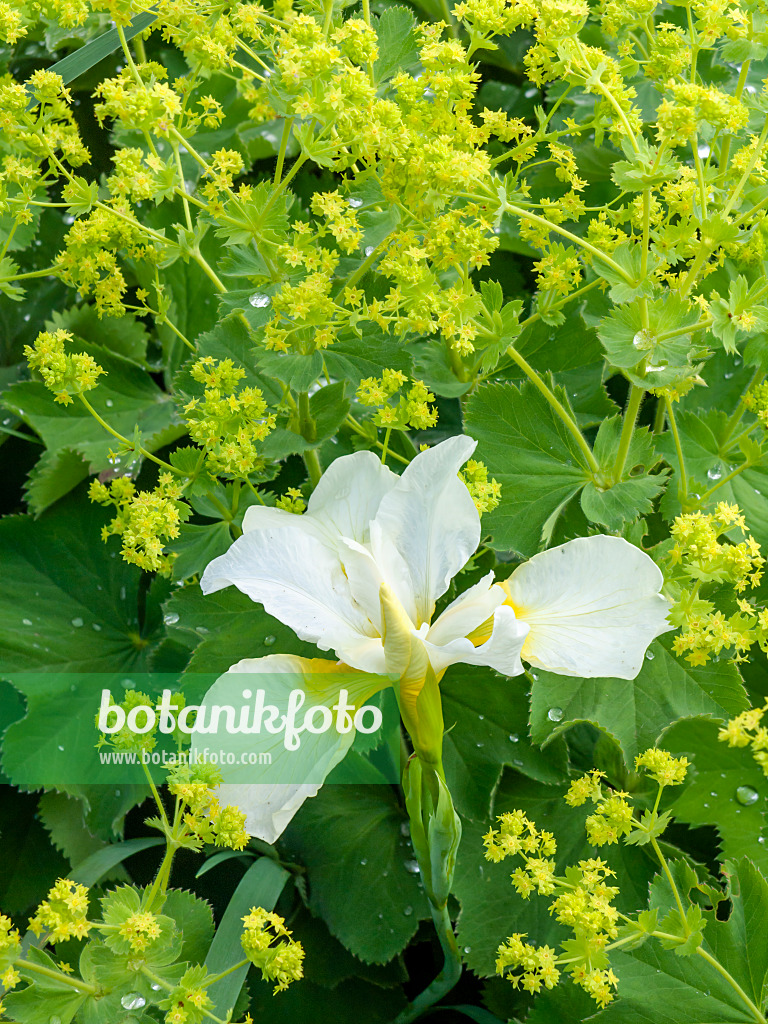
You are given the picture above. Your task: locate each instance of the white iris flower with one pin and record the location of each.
(361, 571)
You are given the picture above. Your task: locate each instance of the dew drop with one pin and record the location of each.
(412, 866)
(467, 949)
(643, 341)
(60, 747)
(155, 987)
(369, 249)
(109, 403)
(202, 630)
(380, 916)
(408, 911)
(715, 472)
(649, 655)
(171, 618)
(514, 738)
(27, 622)
(727, 376)
(746, 795)
(96, 627)
(405, 829)
(517, 763)
(703, 151)
(481, 718)
(555, 714)
(478, 745)
(127, 684)
(259, 299)
(530, 93)
(54, 1020)
(133, 1001)
(363, 862)
(761, 839)
(269, 640)
(355, 203)
(122, 593)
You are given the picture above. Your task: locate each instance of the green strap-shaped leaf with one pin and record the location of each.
(82, 60)
(89, 871)
(260, 886)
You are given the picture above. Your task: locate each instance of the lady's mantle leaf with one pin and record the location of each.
(636, 712)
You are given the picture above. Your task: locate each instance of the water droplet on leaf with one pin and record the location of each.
(649, 655)
(269, 640)
(715, 472)
(171, 618)
(407, 911)
(555, 714)
(133, 1001)
(746, 795)
(355, 203)
(514, 738)
(259, 299)
(412, 866)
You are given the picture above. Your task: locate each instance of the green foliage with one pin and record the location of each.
(225, 230)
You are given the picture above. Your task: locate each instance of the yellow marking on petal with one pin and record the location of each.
(481, 633)
(520, 613)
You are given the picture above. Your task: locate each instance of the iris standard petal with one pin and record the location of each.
(299, 579)
(349, 493)
(593, 606)
(432, 521)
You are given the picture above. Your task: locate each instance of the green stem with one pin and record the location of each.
(448, 976)
(665, 868)
(630, 419)
(308, 430)
(747, 171)
(754, 1010)
(213, 978)
(208, 270)
(77, 983)
(11, 233)
(558, 407)
(726, 480)
(678, 448)
(659, 417)
(385, 445)
(162, 876)
(129, 444)
(182, 185)
(736, 416)
(725, 149)
(287, 126)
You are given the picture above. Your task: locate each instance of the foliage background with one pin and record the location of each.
(351, 892)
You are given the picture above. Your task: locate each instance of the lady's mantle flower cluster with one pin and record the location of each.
(701, 557)
(582, 902)
(64, 374)
(412, 409)
(747, 730)
(228, 421)
(205, 818)
(10, 951)
(582, 896)
(268, 945)
(145, 520)
(63, 914)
